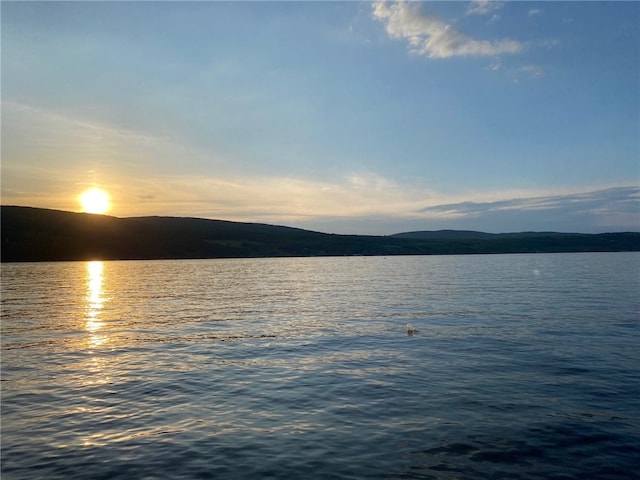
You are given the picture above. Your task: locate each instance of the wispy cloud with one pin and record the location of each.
(152, 175)
(149, 175)
(608, 209)
(57, 154)
(528, 71)
(367, 203)
(483, 7)
(534, 11)
(276, 199)
(430, 36)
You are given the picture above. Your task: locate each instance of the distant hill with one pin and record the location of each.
(36, 234)
(472, 235)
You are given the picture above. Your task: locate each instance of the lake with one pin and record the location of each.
(523, 367)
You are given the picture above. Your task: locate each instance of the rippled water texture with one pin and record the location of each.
(523, 367)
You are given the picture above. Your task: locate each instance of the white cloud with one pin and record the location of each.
(482, 7)
(534, 11)
(428, 35)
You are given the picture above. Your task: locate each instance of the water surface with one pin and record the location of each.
(524, 367)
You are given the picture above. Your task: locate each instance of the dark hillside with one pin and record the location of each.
(444, 235)
(472, 235)
(32, 234)
(35, 234)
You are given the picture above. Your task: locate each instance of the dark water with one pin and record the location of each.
(524, 367)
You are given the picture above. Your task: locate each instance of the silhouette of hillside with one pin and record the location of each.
(472, 235)
(36, 234)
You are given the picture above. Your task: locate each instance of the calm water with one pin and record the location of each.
(524, 367)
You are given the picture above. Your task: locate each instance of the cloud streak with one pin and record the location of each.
(612, 209)
(152, 175)
(430, 36)
(148, 175)
(531, 72)
(483, 7)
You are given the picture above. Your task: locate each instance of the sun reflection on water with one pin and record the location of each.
(95, 303)
(96, 365)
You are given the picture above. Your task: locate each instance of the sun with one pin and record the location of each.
(95, 200)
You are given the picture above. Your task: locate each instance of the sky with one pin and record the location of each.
(340, 117)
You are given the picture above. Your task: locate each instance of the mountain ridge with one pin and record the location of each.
(476, 235)
(37, 234)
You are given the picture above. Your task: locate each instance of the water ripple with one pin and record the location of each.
(302, 368)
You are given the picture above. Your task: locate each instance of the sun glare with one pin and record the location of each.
(94, 201)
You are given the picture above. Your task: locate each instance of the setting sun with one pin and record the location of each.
(94, 201)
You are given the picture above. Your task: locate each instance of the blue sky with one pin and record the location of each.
(345, 117)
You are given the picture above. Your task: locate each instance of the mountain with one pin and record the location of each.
(36, 234)
(472, 235)
(445, 235)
